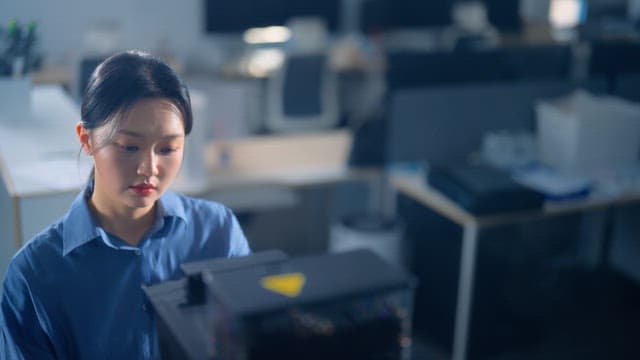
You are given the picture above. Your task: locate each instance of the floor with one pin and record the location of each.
(597, 316)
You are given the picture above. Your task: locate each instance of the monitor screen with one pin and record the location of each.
(233, 16)
(602, 9)
(504, 15)
(384, 15)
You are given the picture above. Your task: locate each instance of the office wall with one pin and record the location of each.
(153, 24)
(145, 24)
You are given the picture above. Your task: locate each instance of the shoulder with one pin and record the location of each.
(215, 225)
(39, 255)
(197, 209)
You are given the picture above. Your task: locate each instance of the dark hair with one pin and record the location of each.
(123, 79)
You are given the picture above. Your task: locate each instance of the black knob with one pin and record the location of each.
(196, 290)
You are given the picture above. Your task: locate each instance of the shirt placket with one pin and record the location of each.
(145, 274)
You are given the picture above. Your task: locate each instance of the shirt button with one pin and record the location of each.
(137, 252)
(144, 307)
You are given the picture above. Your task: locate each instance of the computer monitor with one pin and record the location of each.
(387, 15)
(602, 9)
(504, 15)
(235, 16)
(302, 95)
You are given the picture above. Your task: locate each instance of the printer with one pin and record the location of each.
(350, 305)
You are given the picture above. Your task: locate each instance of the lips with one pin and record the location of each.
(143, 189)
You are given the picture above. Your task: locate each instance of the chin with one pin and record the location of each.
(142, 202)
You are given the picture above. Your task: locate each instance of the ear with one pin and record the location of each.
(84, 138)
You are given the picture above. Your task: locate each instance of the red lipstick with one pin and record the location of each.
(143, 189)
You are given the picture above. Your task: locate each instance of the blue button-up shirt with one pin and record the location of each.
(74, 291)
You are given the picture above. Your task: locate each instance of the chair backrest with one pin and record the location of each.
(302, 95)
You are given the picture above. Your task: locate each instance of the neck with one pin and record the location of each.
(128, 224)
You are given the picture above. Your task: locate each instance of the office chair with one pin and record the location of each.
(302, 95)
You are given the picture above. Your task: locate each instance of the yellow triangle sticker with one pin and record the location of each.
(284, 284)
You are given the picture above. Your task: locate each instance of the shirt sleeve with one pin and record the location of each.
(21, 335)
(238, 244)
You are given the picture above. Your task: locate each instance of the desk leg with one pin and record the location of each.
(604, 252)
(382, 197)
(465, 291)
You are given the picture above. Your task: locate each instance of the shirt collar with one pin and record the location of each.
(80, 226)
(171, 205)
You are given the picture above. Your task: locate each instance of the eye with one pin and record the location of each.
(128, 148)
(167, 150)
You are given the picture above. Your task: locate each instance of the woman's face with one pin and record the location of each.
(137, 165)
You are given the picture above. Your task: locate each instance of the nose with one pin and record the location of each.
(148, 165)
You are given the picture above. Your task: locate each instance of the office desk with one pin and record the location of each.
(241, 170)
(414, 186)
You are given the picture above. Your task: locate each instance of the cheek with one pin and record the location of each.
(173, 163)
(110, 164)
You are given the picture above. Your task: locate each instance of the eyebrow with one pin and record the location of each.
(139, 135)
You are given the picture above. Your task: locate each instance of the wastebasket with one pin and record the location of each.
(379, 233)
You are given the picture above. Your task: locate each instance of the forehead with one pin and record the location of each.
(153, 116)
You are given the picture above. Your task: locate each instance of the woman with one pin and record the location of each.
(74, 291)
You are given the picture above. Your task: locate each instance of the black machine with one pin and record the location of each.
(350, 305)
(483, 190)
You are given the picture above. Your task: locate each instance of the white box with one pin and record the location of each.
(584, 133)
